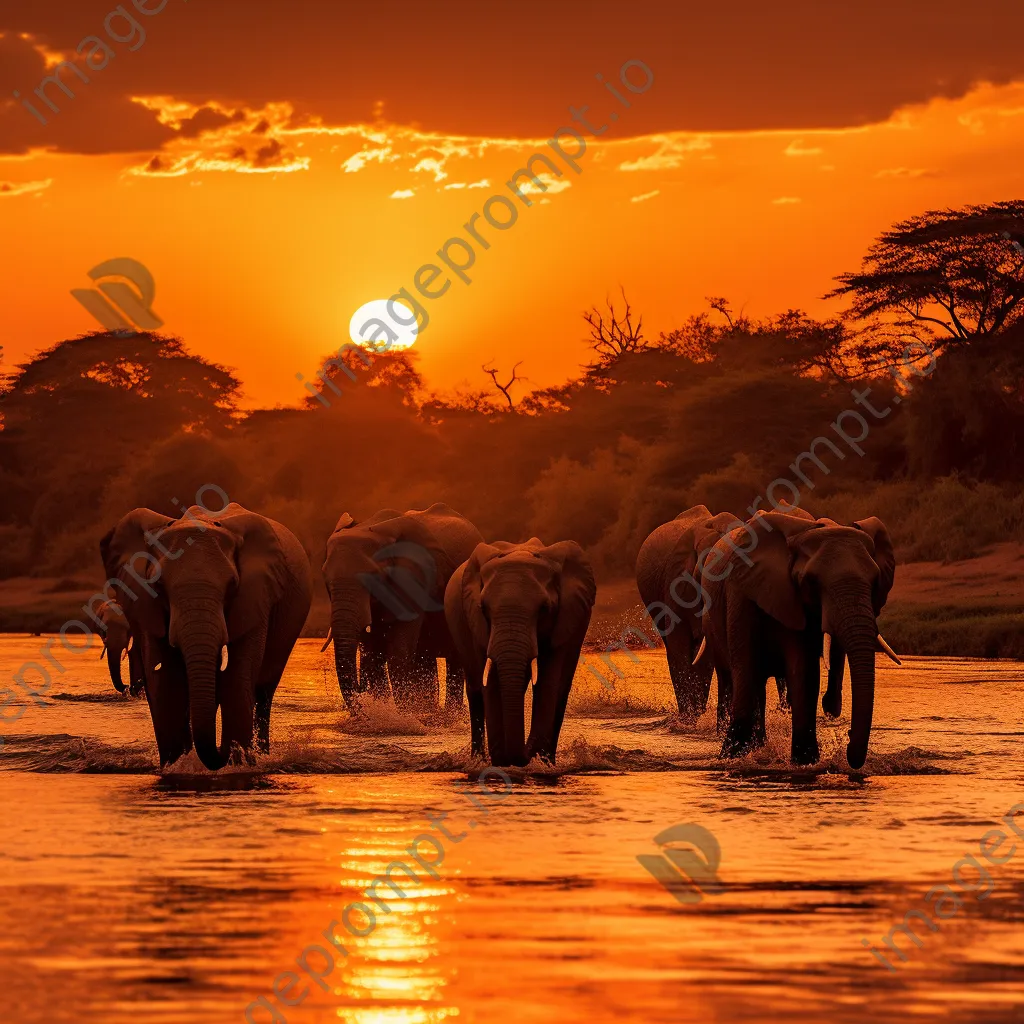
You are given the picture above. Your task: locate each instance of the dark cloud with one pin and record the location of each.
(461, 66)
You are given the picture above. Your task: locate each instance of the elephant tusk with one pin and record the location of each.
(159, 665)
(327, 642)
(533, 672)
(131, 641)
(700, 653)
(888, 650)
(224, 657)
(487, 671)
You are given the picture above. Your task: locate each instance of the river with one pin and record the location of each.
(131, 895)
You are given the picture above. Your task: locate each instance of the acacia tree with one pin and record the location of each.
(953, 275)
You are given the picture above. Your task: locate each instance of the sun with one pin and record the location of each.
(366, 330)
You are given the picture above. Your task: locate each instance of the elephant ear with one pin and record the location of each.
(344, 522)
(105, 542)
(262, 570)
(885, 558)
(120, 550)
(472, 594)
(708, 533)
(767, 580)
(577, 592)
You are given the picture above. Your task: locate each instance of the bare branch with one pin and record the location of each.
(506, 388)
(613, 335)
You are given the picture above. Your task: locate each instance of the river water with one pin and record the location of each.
(131, 895)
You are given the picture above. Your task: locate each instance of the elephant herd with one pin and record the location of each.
(222, 597)
(765, 594)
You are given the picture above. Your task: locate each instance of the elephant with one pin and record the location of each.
(117, 638)
(232, 584)
(518, 614)
(665, 575)
(385, 577)
(775, 587)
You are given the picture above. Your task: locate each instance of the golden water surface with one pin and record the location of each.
(131, 895)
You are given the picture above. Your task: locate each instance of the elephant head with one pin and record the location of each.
(383, 574)
(667, 577)
(817, 574)
(117, 638)
(527, 608)
(204, 581)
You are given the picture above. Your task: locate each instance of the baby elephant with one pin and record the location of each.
(518, 613)
(117, 638)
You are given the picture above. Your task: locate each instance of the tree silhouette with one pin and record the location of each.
(613, 335)
(506, 388)
(955, 272)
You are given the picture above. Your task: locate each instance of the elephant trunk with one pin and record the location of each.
(114, 667)
(856, 630)
(199, 629)
(350, 615)
(512, 649)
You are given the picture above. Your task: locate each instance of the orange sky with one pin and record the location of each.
(266, 221)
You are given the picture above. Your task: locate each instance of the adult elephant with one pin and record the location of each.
(386, 577)
(222, 598)
(117, 639)
(519, 613)
(667, 574)
(775, 586)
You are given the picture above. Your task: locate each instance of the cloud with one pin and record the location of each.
(483, 183)
(646, 195)
(796, 149)
(212, 137)
(551, 185)
(671, 152)
(24, 188)
(907, 172)
(322, 58)
(402, 193)
(433, 165)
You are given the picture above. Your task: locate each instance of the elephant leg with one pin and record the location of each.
(167, 694)
(404, 666)
(476, 722)
(742, 639)
(264, 700)
(804, 680)
(136, 671)
(454, 688)
(236, 687)
(563, 700)
(373, 678)
(691, 683)
(832, 702)
(780, 686)
(724, 716)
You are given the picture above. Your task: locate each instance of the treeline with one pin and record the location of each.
(708, 414)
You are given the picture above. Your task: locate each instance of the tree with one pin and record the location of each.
(80, 411)
(956, 275)
(506, 388)
(612, 335)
